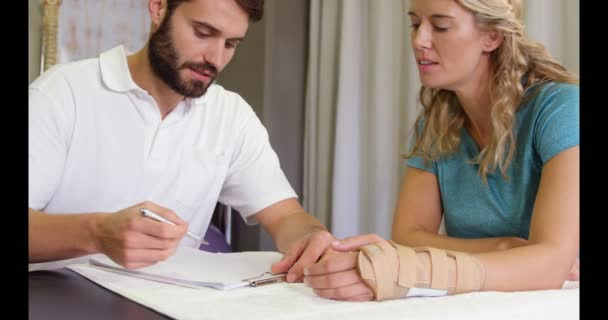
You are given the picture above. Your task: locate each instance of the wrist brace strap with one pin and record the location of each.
(394, 271)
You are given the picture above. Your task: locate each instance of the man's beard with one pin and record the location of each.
(163, 61)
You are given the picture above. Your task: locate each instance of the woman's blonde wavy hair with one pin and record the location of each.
(442, 115)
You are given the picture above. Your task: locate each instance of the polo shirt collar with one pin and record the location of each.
(115, 70)
(116, 75)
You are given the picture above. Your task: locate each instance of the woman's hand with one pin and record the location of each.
(575, 272)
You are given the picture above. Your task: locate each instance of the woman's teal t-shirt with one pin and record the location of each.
(545, 125)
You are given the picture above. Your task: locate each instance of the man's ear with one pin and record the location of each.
(157, 9)
(493, 40)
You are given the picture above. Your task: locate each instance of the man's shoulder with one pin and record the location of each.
(224, 99)
(227, 107)
(217, 91)
(66, 73)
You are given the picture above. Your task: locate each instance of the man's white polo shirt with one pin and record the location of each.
(97, 144)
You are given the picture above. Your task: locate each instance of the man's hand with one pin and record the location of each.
(303, 253)
(356, 242)
(134, 241)
(336, 276)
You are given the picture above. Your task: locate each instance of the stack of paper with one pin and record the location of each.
(194, 268)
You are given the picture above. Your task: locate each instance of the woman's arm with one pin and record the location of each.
(418, 216)
(542, 263)
(553, 246)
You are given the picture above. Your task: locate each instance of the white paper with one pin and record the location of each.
(194, 268)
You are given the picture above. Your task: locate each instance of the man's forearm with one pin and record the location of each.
(423, 238)
(60, 236)
(294, 227)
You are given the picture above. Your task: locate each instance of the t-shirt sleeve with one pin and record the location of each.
(419, 162)
(255, 179)
(49, 127)
(557, 125)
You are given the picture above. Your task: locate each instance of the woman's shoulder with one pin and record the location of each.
(549, 96)
(552, 90)
(552, 119)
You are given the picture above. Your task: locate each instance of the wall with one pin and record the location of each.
(34, 37)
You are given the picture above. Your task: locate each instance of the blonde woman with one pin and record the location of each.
(496, 153)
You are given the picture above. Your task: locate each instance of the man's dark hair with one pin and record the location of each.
(254, 8)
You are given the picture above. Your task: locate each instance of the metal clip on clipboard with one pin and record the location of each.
(270, 278)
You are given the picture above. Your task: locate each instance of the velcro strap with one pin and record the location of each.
(467, 272)
(439, 267)
(382, 271)
(407, 265)
(392, 257)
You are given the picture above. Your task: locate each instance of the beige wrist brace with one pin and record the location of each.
(394, 271)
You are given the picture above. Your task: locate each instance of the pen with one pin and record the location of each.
(149, 214)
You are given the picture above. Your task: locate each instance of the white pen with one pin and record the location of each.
(149, 214)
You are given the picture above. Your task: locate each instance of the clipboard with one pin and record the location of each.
(256, 281)
(266, 278)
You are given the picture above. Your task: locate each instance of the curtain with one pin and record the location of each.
(361, 103)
